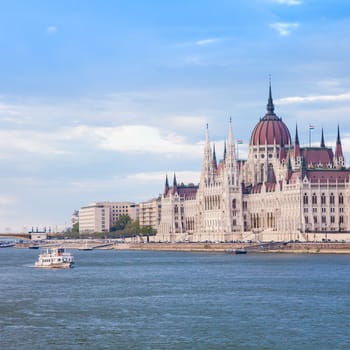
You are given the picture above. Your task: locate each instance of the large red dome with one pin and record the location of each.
(270, 130)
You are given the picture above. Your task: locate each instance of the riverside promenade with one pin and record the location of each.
(303, 248)
(274, 247)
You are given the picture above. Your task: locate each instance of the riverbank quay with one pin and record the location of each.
(296, 248)
(272, 247)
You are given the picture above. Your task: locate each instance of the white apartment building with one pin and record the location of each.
(101, 216)
(149, 213)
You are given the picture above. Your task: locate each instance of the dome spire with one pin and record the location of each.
(270, 107)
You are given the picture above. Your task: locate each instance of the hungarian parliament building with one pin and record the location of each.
(281, 192)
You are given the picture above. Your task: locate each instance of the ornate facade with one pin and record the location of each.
(281, 192)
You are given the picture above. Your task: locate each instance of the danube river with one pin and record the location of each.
(175, 300)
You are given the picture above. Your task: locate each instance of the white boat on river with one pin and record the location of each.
(55, 258)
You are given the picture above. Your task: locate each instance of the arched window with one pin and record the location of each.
(323, 199)
(341, 198)
(331, 199)
(233, 204)
(314, 198)
(306, 199)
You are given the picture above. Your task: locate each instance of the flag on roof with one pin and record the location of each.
(239, 141)
(311, 126)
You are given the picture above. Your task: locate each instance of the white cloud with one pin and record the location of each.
(288, 2)
(7, 200)
(8, 109)
(139, 139)
(181, 176)
(188, 122)
(208, 41)
(29, 141)
(124, 138)
(51, 30)
(284, 28)
(199, 42)
(315, 98)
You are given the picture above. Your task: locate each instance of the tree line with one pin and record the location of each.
(124, 227)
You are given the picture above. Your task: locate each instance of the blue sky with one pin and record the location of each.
(100, 99)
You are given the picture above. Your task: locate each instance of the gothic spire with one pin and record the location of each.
(270, 107)
(230, 137)
(166, 187)
(207, 135)
(322, 139)
(338, 136)
(338, 147)
(224, 150)
(174, 181)
(174, 184)
(208, 156)
(296, 141)
(297, 152)
(215, 164)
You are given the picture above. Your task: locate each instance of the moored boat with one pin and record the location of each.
(240, 251)
(236, 251)
(55, 258)
(6, 244)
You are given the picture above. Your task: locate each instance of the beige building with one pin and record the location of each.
(149, 213)
(101, 216)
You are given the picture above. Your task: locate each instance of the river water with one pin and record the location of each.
(175, 300)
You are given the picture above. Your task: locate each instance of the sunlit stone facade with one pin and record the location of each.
(281, 192)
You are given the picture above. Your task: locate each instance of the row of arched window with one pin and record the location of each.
(212, 202)
(323, 199)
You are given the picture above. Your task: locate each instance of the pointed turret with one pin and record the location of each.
(174, 184)
(207, 157)
(270, 106)
(166, 187)
(338, 147)
(296, 141)
(322, 139)
(215, 164)
(338, 156)
(230, 158)
(207, 143)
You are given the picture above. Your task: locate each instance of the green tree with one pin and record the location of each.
(121, 223)
(75, 228)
